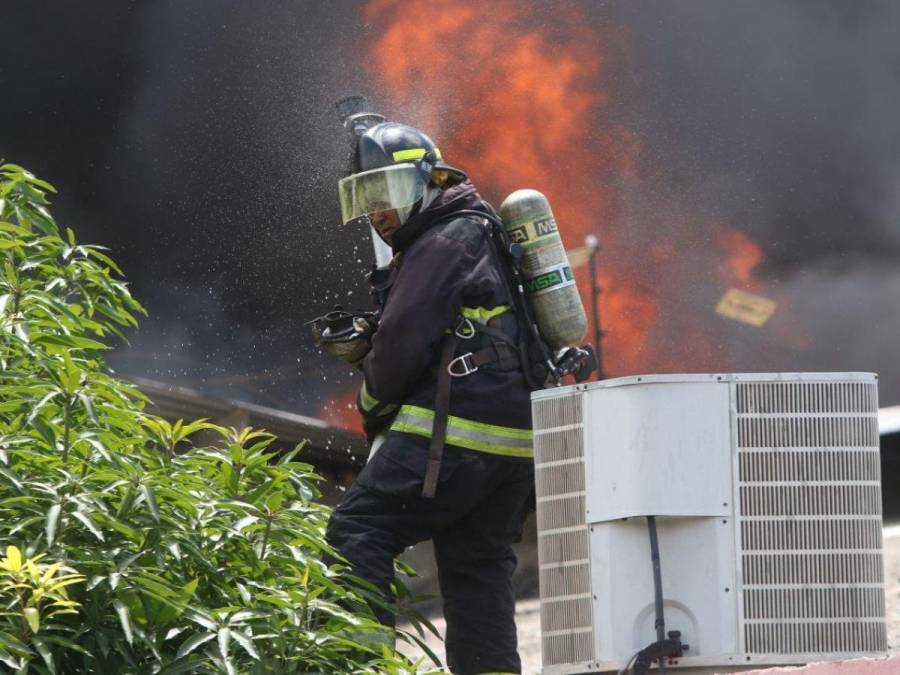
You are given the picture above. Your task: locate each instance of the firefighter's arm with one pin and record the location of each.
(425, 300)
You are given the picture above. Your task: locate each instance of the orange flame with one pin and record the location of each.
(340, 411)
(742, 257)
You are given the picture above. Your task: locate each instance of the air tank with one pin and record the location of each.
(549, 282)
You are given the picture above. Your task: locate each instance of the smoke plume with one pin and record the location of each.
(707, 145)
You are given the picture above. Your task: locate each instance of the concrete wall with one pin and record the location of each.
(888, 665)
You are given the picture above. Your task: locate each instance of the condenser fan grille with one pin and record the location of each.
(810, 517)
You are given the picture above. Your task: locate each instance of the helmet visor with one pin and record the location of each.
(391, 188)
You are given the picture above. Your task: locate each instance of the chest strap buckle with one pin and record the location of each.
(462, 366)
(465, 329)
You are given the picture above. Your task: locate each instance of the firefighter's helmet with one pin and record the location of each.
(396, 171)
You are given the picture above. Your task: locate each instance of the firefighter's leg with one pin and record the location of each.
(475, 566)
(363, 530)
(383, 512)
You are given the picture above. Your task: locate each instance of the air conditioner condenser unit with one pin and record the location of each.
(765, 490)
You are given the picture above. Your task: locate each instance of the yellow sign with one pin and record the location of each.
(746, 307)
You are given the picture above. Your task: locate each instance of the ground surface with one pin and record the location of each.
(529, 623)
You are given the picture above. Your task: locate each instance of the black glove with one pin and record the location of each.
(344, 334)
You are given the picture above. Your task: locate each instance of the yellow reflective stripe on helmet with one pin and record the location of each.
(483, 315)
(489, 438)
(413, 153)
(368, 402)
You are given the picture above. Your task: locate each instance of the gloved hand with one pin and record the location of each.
(345, 335)
(352, 349)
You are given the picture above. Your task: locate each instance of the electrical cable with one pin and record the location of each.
(660, 623)
(624, 670)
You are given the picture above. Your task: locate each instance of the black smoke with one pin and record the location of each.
(198, 140)
(780, 119)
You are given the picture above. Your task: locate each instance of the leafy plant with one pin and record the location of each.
(35, 591)
(165, 560)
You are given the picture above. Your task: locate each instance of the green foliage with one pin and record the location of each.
(123, 554)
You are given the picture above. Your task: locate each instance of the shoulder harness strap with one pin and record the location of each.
(441, 416)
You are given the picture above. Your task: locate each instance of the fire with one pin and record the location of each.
(340, 411)
(742, 257)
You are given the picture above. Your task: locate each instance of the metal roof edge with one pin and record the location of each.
(328, 443)
(889, 420)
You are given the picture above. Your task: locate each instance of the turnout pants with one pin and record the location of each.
(478, 511)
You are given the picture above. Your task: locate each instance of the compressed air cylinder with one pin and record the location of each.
(549, 282)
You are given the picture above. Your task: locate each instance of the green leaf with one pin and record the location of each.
(192, 643)
(246, 642)
(174, 632)
(124, 619)
(13, 663)
(204, 621)
(13, 643)
(93, 251)
(52, 522)
(150, 498)
(224, 636)
(88, 407)
(244, 522)
(190, 588)
(45, 430)
(9, 227)
(191, 664)
(40, 183)
(120, 527)
(245, 614)
(73, 341)
(33, 616)
(46, 655)
(90, 525)
(62, 642)
(40, 404)
(12, 478)
(72, 374)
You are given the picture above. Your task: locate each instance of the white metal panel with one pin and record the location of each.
(658, 448)
(699, 585)
(556, 392)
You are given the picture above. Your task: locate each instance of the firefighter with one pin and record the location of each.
(444, 399)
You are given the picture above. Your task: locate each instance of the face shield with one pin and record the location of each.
(382, 198)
